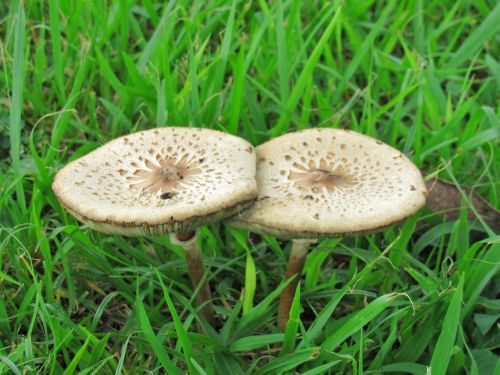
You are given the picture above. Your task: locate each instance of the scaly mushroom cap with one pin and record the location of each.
(159, 180)
(330, 182)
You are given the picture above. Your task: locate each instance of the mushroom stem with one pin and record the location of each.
(196, 271)
(294, 268)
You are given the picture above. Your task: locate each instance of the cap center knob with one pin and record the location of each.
(171, 173)
(166, 175)
(316, 178)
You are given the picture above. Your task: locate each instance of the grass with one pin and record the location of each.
(423, 76)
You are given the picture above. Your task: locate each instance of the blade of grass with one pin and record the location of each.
(320, 370)
(9, 279)
(161, 106)
(179, 327)
(62, 121)
(16, 107)
(220, 67)
(11, 364)
(358, 321)
(482, 137)
(198, 367)
(365, 47)
(238, 90)
(101, 309)
(282, 53)
(406, 367)
(99, 349)
(123, 353)
(321, 320)
(255, 342)
(387, 346)
(446, 341)
(485, 31)
(155, 38)
(289, 362)
(480, 274)
(77, 358)
(226, 364)
(55, 36)
(250, 283)
(292, 325)
(151, 338)
(255, 317)
(282, 125)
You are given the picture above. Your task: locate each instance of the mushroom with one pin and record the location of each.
(164, 180)
(324, 183)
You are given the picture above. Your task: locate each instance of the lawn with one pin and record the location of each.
(422, 76)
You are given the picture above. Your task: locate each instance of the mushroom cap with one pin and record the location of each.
(160, 180)
(321, 183)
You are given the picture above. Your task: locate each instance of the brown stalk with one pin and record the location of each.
(294, 268)
(196, 271)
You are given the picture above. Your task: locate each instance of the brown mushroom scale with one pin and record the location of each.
(325, 176)
(164, 175)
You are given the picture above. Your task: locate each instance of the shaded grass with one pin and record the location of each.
(421, 76)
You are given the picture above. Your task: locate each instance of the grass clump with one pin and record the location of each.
(421, 76)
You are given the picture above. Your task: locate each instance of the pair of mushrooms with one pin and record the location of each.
(317, 183)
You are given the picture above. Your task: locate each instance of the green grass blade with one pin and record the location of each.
(358, 321)
(289, 362)
(155, 38)
(250, 283)
(9, 279)
(255, 342)
(198, 368)
(226, 364)
(255, 317)
(161, 106)
(480, 274)
(16, 107)
(483, 137)
(218, 77)
(292, 325)
(365, 47)
(282, 53)
(486, 30)
(151, 338)
(55, 36)
(446, 341)
(10, 364)
(76, 359)
(320, 370)
(123, 353)
(99, 349)
(387, 346)
(406, 367)
(304, 77)
(321, 320)
(238, 89)
(101, 308)
(186, 344)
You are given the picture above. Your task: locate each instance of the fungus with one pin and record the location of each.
(324, 183)
(165, 180)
